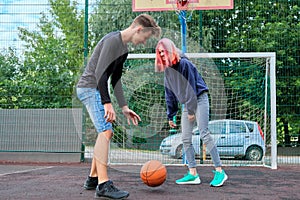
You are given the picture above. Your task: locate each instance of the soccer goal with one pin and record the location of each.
(241, 87)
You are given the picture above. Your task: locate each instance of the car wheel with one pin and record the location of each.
(254, 153)
(178, 153)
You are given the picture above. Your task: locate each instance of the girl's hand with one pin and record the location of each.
(172, 124)
(191, 117)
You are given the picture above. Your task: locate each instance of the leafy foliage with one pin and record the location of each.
(45, 74)
(9, 81)
(53, 56)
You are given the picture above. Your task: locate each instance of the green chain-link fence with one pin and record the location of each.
(45, 45)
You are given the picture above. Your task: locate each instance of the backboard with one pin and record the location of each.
(165, 5)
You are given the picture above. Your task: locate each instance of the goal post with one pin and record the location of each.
(242, 86)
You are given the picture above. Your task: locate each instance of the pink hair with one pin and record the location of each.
(172, 54)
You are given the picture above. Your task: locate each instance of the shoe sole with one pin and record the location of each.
(89, 187)
(221, 184)
(194, 182)
(109, 198)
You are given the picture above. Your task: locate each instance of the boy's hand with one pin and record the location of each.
(131, 116)
(110, 114)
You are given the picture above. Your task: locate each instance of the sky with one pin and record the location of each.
(20, 13)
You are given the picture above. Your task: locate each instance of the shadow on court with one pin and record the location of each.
(64, 181)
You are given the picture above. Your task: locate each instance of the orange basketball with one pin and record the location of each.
(153, 173)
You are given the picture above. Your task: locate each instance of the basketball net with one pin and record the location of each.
(183, 5)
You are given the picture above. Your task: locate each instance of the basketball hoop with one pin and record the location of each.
(185, 4)
(182, 4)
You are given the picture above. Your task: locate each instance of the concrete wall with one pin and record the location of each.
(41, 135)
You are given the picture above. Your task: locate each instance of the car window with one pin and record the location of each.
(250, 126)
(217, 127)
(237, 127)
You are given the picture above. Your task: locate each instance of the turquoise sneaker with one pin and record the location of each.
(219, 178)
(189, 179)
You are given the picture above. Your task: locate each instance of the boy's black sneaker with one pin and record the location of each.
(90, 183)
(109, 191)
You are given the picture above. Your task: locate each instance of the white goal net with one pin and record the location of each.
(241, 88)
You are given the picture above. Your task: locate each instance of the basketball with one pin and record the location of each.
(153, 173)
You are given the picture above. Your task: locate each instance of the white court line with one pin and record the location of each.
(28, 170)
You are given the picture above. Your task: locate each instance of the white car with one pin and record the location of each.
(234, 138)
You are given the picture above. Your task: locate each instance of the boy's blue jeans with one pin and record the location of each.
(91, 98)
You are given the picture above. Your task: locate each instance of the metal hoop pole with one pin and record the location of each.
(182, 19)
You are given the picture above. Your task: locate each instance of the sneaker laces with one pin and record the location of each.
(111, 188)
(217, 175)
(186, 174)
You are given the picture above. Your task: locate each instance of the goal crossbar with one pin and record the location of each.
(212, 55)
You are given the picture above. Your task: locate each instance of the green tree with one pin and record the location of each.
(252, 26)
(53, 56)
(116, 15)
(9, 72)
(272, 26)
